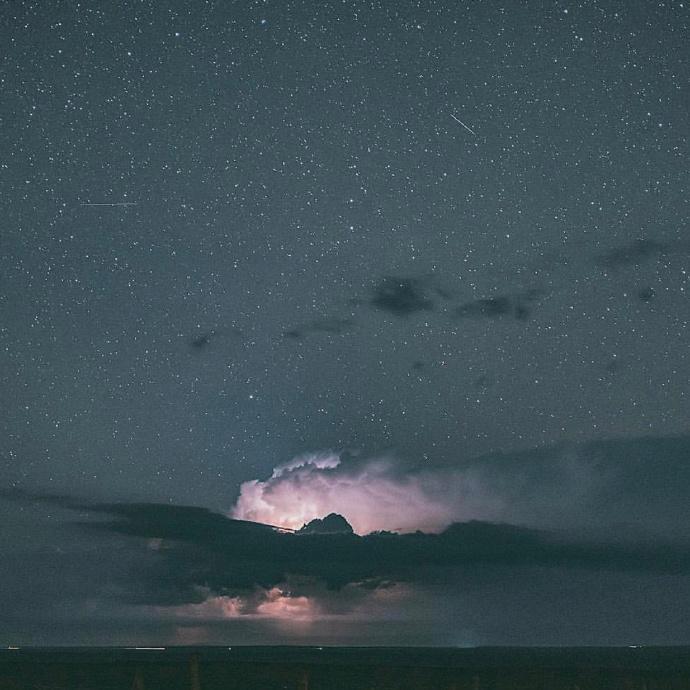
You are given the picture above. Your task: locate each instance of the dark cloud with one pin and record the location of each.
(202, 340)
(635, 253)
(20, 495)
(632, 488)
(646, 294)
(205, 338)
(331, 326)
(402, 296)
(204, 551)
(189, 554)
(517, 306)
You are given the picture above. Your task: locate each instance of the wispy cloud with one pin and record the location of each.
(641, 251)
(517, 306)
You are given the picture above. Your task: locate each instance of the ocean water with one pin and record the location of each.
(345, 668)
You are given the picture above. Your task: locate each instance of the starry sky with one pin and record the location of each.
(420, 263)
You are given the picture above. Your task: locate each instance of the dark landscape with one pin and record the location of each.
(351, 668)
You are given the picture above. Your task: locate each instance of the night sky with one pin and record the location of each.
(421, 264)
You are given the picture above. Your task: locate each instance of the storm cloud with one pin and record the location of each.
(189, 566)
(592, 516)
(592, 486)
(206, 550)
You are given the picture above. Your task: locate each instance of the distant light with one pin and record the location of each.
(149, 649)
(13, 647)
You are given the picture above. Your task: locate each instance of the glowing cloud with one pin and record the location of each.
(372, 495)
(293, 608)
(561, 487)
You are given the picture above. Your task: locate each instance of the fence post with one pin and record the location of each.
(303, 683)
(138, 682)
(194, 671)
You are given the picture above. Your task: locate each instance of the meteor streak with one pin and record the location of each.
(471, 131)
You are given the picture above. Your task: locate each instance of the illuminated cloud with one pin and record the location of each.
(541, 531)
(212, 608)
(273, 603)
(598, 487)
(372, 495)
(295, 603)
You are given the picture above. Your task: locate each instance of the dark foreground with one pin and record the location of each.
(345, 668)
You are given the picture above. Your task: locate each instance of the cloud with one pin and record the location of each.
(211, 565)
(371, 494)
(588, 507)
(203, 554)
(402, 296)
(641, 251)
(636, 487)
(517, 306)
(646, 294)
(603, 486)
(202, 340)
(591, 524)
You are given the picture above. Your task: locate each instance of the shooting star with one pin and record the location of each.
(471, 131)
(117, 203)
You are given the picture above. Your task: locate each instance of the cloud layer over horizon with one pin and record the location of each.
(589, 529)
(603, 486)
